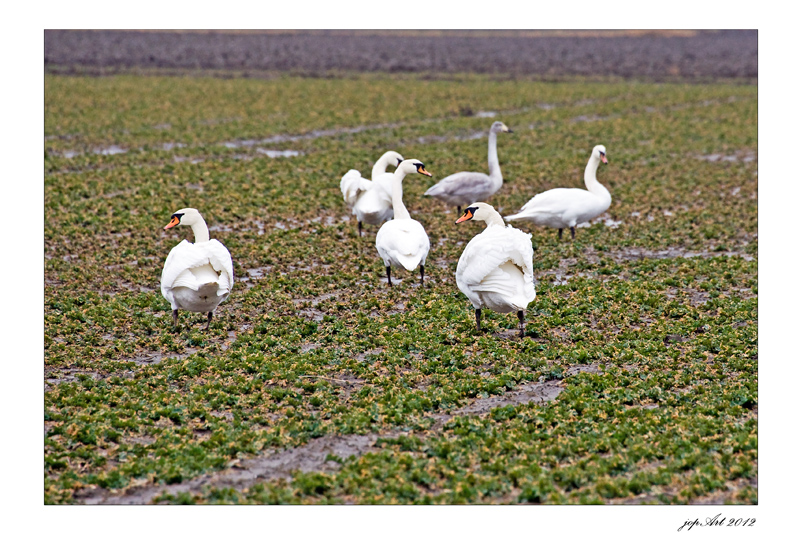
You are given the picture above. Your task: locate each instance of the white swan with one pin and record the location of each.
(196, 277)
(402, 241)
(464, 188)
(495, 271)
(566, 208)
(371, 201)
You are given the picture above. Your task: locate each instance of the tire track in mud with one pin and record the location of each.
(315, 456)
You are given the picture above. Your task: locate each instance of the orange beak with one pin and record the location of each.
(174, 222)
(466, 216)
(423, 171)
(603, 159)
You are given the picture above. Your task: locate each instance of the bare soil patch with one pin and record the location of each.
(661, 55)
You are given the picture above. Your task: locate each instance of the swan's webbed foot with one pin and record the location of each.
(478, 320)
(389, 275)
(560, 233)
(208, 324)
(572, 230)
(521, 316)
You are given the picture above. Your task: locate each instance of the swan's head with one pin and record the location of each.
(499, 127)
(186, 217)
(477, 211)
(599, 152)
(413, 166)
(393, 157)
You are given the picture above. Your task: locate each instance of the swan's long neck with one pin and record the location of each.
(381, 164)
(379, 168)
(400, 210)
(494, 162)
(590, 179)
(493, 218)
(200, 231)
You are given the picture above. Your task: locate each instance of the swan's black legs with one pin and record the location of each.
(560, 232)
(572, 230)
(521, 316)
(478, 319)
(175, 317)
(422, 275)
(208, 324)
(389, 275)
(359, 228)
(459, 209)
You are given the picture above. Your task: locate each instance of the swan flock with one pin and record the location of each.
(494, 271)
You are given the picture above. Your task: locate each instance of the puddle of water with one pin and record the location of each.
(240, 144)
(722, 158)
(315, 134)
(634, 253)
(219, 227)
(559, 280)
(181, 159)
(172, 146)
(110, 150)
(278, 153)
(605, 219)
(254, 274)
(585, 118)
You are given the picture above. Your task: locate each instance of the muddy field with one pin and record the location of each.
(662, 55)
(636, 381)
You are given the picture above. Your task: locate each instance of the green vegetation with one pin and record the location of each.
(649, 327)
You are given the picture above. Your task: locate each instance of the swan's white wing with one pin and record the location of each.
(555, 202)
(180, 259)
(375, 205)
(186, 256)
(403, 242)
(383, 186)
(222, 262)
(463, 187)
(353, 185)
(482, 265)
